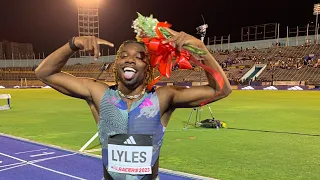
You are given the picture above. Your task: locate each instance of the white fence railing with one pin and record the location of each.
(34, 62)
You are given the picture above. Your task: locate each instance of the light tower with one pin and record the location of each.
(316, 12)
(88, 18)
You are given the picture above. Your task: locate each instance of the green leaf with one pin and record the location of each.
(195, 50)
(165, 33)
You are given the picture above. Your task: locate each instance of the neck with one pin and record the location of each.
(129, 91)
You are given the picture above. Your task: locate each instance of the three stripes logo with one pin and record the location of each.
(130, 140)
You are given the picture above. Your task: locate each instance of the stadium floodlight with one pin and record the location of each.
(8, 98)
(316, 11)
(88, 18)
(88, 25)
(87, 3)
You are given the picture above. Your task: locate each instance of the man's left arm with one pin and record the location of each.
(182, 97)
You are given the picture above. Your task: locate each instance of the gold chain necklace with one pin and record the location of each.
(132, 97)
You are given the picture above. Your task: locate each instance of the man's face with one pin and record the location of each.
(131, 65)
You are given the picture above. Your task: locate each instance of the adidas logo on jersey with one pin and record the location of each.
(130, 140)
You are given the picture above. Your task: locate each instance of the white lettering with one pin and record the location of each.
(124, 156)
(130, 159)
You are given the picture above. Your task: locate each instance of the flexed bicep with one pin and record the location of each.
(192, 97)
(69, 84)
(49, 71)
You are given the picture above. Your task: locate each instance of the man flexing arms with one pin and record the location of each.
(131, 120)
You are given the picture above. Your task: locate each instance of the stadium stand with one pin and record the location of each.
(284, 63)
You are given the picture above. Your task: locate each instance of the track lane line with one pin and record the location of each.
(11, 164)
(58, 172)
(43, 154)
(12, 157)
(32, 164)
(31, 151)
(5, 169)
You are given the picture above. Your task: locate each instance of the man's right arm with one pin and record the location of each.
(49, 71)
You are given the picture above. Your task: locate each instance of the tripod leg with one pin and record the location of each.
(189, 119)
(197, 117)
(210, 111)
(200, 112)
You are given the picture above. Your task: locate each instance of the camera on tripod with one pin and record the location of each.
(202, 29)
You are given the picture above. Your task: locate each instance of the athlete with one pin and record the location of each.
(131, 120)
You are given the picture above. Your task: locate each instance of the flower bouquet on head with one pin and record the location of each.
(152, 32)
(150, 27)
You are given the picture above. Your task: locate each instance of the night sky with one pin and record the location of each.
(48, 24)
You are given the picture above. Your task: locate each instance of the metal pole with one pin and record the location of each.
(108, 55)
(229, 42)
(214, 43)
(317, 33)
(297, 36)
(316, 29)
(275, 30)
(264, 32)
(307, 31)
(241, 34)
(287, 44)
(12, 59)
(255, 33)
(198, 116)
(278, 32)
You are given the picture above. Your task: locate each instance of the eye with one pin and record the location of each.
(123, 55)
(141, 56)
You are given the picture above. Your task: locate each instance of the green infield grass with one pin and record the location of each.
(269, 134)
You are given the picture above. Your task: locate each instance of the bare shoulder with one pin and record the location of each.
(96, 87)
(164, 92)
(95, 83)
(165, 95)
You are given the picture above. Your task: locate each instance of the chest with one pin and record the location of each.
(142, 117)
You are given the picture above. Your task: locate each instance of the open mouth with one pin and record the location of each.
(129, 69)
(129, 72)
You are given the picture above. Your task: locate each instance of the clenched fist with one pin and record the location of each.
(91, 44)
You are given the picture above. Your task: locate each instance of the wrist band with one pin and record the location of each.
(72, 45)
